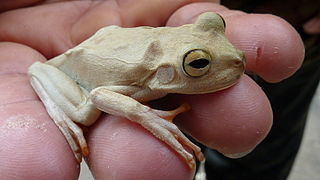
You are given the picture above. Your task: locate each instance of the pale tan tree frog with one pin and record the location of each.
(118, 68)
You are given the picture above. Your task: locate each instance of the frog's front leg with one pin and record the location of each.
(156, 121)
(66, 103)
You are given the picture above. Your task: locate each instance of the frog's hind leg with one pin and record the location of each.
(66, 103)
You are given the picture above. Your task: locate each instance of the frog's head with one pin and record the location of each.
(207, 61)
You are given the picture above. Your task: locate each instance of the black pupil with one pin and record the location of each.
(199, 63)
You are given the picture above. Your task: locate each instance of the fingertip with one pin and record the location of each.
(121, 149)
(231, 121)
(273, 48)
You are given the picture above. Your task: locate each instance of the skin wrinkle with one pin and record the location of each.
(80, 32)
(11, 63)
(13, 73)
(18, 102)
(68, 43)
(160, 21)
(85, 11)
(120, 3)
(17, 78)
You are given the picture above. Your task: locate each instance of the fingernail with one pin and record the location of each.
(238, 155)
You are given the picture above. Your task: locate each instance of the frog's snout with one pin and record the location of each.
(238, 63)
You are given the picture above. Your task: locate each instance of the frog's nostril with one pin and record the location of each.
(237, 63)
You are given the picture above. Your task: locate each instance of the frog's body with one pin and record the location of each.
(117, 67)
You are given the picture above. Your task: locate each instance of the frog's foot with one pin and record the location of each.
(163, 128)
(69, 129)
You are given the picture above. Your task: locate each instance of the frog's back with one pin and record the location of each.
(113, 56)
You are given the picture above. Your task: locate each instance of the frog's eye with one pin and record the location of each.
(196, 63)
(223, 21)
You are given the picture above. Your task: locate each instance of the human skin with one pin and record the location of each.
(232, 121)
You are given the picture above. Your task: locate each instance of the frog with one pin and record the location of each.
(117, 70)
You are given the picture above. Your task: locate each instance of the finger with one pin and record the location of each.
(120, 149)
(126, 14)
(232, 121)
(54, 28)
(32, 145)
(273, 49)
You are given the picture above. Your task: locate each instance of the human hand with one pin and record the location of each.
(232, 121)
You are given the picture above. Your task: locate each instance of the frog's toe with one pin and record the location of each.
(175, 131)
(170, 134)
(170, 115)
(73, 135)
(78, 137)
(191, 163)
